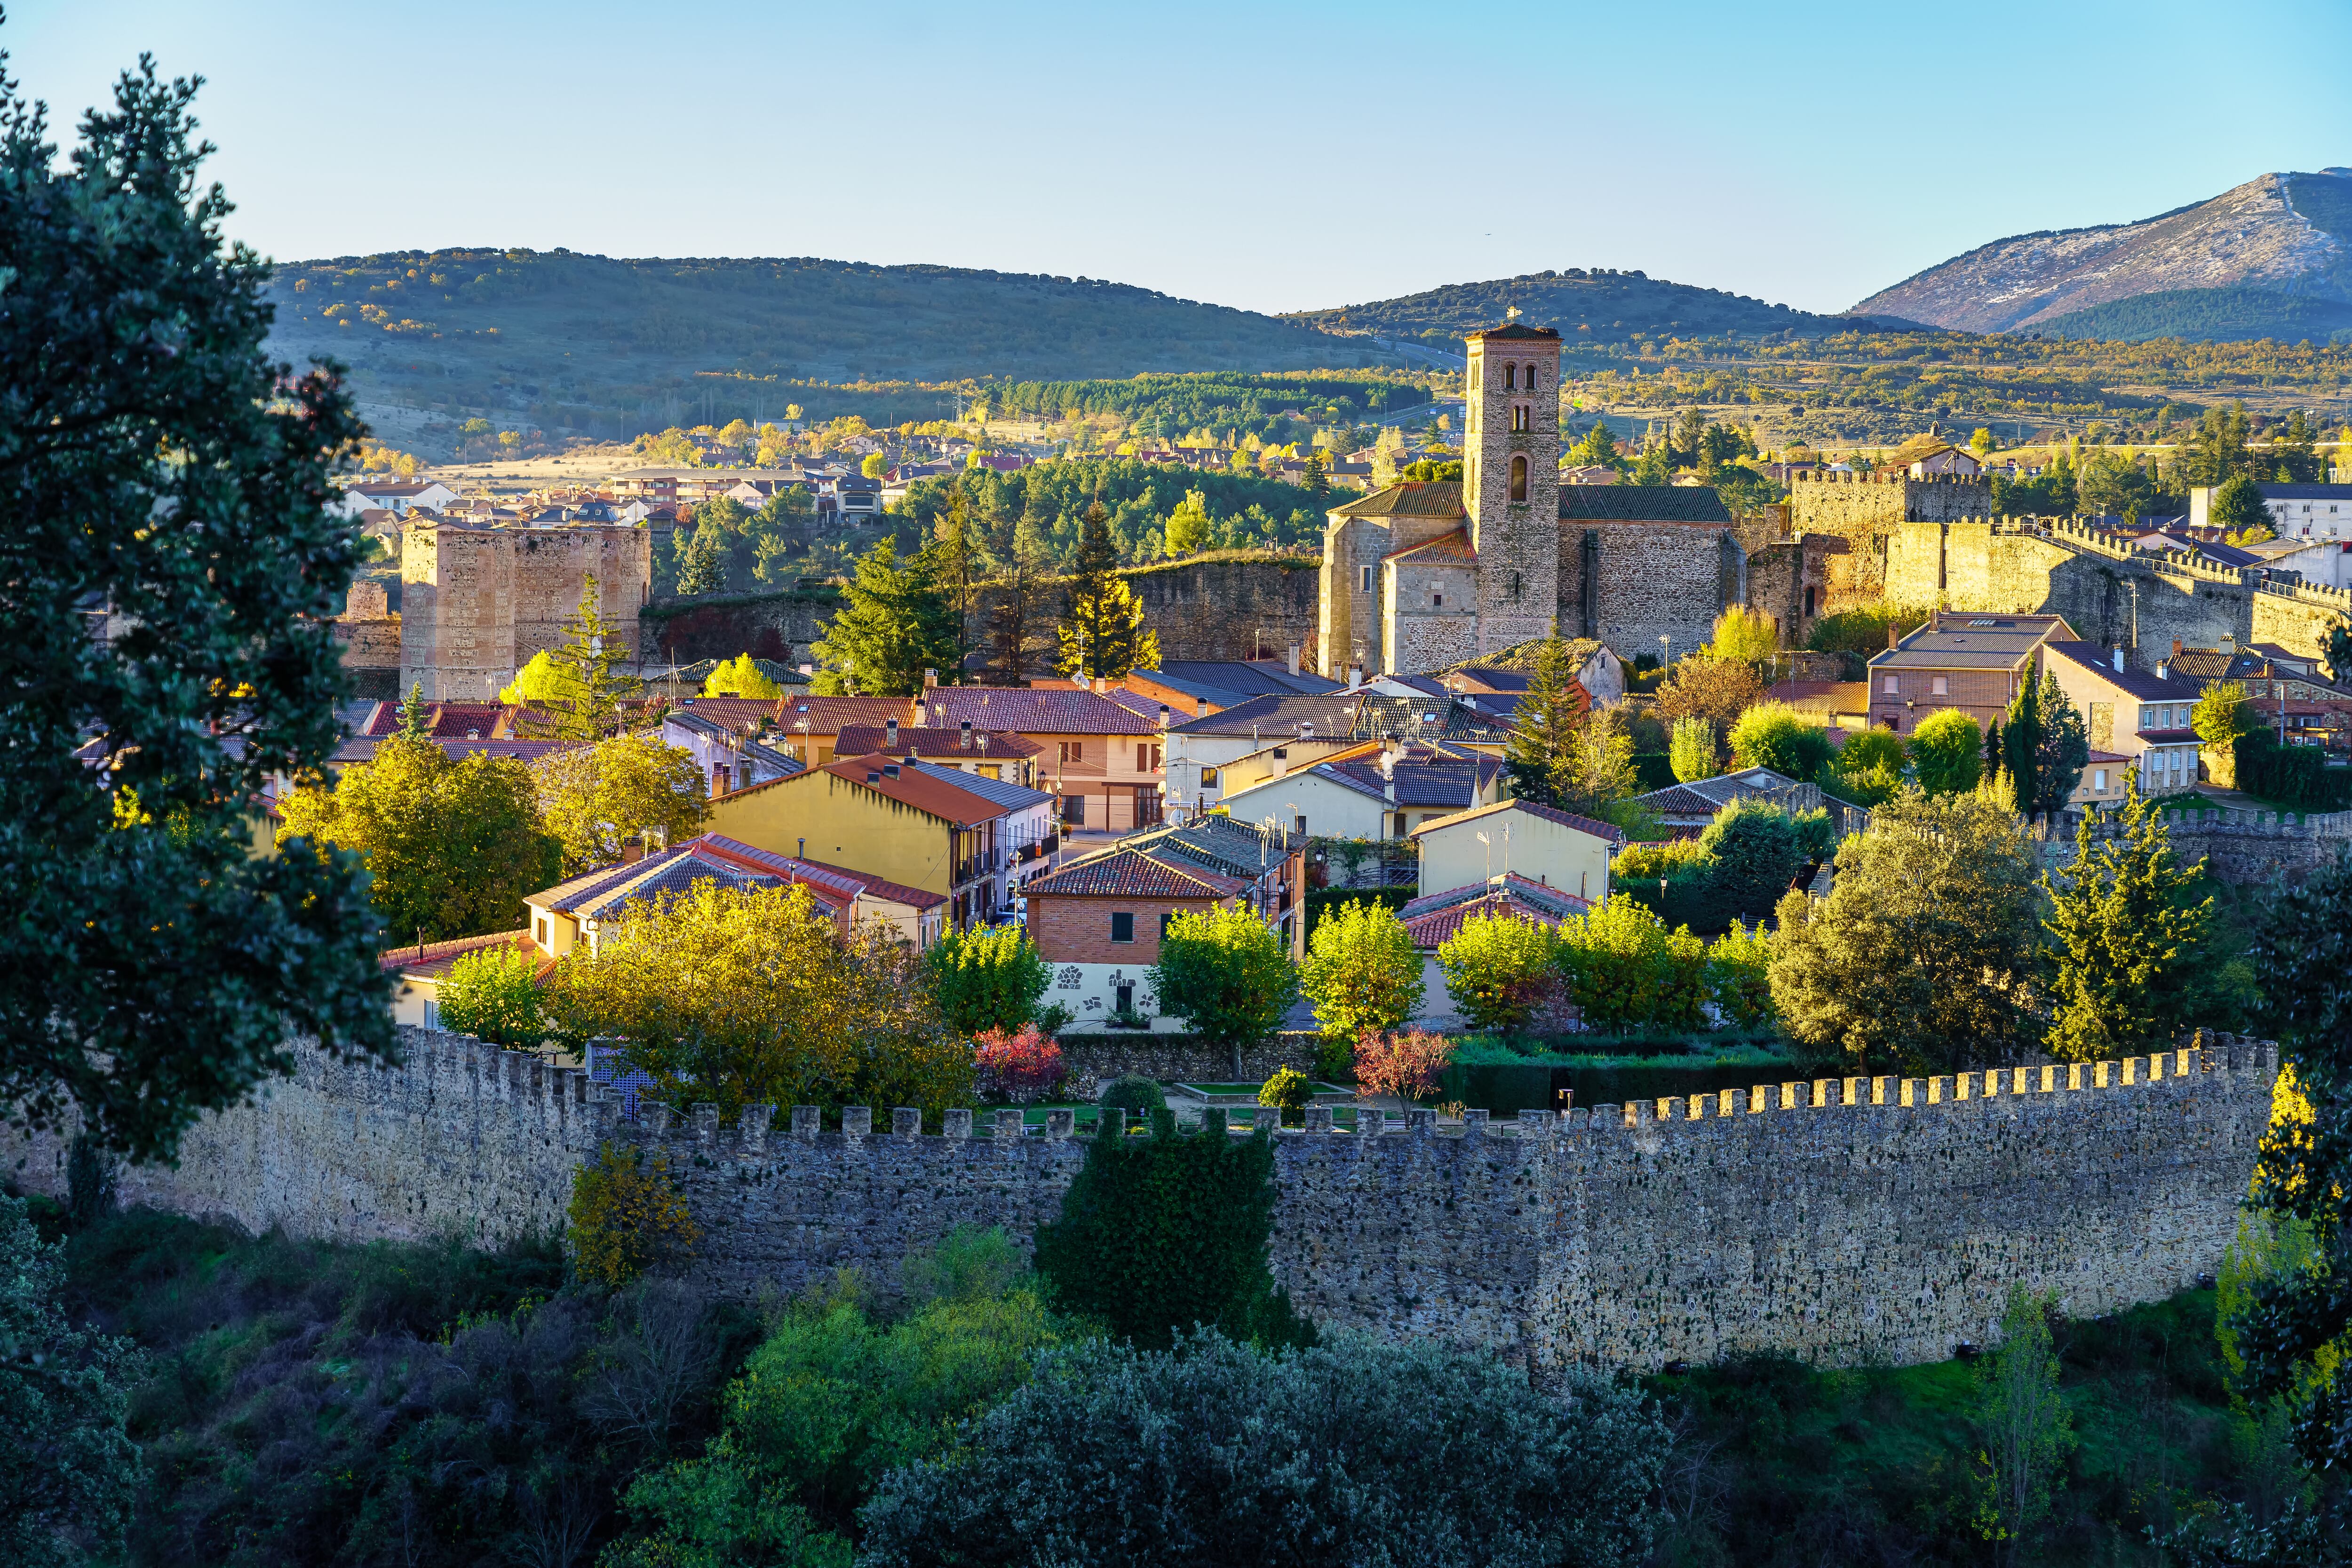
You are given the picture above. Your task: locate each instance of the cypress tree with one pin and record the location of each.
(2021, 744)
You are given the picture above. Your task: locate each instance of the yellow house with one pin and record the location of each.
(421, 969)
(876, 816)
(1550, 847)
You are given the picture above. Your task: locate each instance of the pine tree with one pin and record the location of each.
(2021, 745)
(702, 564)
(952, 562)
(898, 624)
(1102, 632)
(581, 699)
(2062, 748)
(2120, 921)
(1540, 755)
(1016, 618)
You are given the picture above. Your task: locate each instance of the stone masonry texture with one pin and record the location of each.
(1843, 1221)
(1865, 511)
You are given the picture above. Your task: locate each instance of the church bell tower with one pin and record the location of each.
(1510, 481)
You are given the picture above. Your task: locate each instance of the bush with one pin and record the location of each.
(1159, 1234)
(1622, 966)
(1775, 735)
(1693, 749)
(986, 978)
(1947, 752)
(1016, 1069)
(1499, 971)
(1290, 1091)
(2295, 776)
(1357, 1452)
(1739, 976)
(493, 992)
(1407, 1064)
(1139, 1096)
(1362, 971)
(1863, 631)
(1736, 870)
(1225, 972)
(627, 1216)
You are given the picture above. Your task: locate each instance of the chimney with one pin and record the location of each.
(2164, 669)
(963, 737)
(890, 737)
(632, 851)
(2120, 658)
(1163, 715)
(1894, 639)
(1291, 658)
(2175, 648)
(931, 679)
(1355, 676)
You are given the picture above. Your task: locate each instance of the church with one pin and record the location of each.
(1420, 576)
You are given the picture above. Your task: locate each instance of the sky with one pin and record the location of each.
(1276, 158)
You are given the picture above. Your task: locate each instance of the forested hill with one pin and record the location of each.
(2270, 259)
(1595, 306)
(496, 328)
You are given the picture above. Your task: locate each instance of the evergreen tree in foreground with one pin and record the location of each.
(1102, 632)
(1540, 755)
(2120, 925)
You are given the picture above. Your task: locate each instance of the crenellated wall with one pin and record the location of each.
(1842, 1220)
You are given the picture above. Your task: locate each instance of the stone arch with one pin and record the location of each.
(1519, 477)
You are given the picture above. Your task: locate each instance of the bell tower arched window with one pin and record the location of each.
(1510, 378)
(1519, 479)
(1519, 413)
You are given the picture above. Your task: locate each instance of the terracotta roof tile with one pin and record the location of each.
(1409, 497)
(933, 741)
(1028, 712)
(1127, 873)
(1604, 830)
(1446, 549)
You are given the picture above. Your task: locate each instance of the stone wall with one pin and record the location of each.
(1844, 1221)
(1180, 1058)
(779, 626)
(476, 603)
(1865, 511)
(2248, 848)
(1649, 579)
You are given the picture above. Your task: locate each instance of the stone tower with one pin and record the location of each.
(1510, 481)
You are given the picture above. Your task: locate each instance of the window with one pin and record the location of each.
(1515, 584)
(1074, 751)
(1147, 758)
(1164, 919)
(1282, 753)
(1889, 688)
(432, 1014)
(1531, 378)
(1519, 479)
(1122, 927)
(1940, 686)
(1208, 778)
(1437, 601)
(538, 931)
(1474, 378)
(2148, 718)
(1812, 602)
(1368, 579)
(1519, 415)
(1510, 377)
(1298, 826)
(1126, 1000)
(2099, 781)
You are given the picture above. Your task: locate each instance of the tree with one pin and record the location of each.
(493, 993)
(701, 563)
(1923, 955)
(1540, 753)
(2222, 716)
(1947, 752)
(1016, 634)
(1501, 971)
(2047, 747)
(1691, 750)
(1981, 442)
(159, 463)
(896, 625)
(2120, 925)
(2240, 512)
(1102, 633)
(1715, 690)
(2218, 453)
(874, 465)
(1409, 1064)
(2026, 1427)
(1868, 769)
(1601, 774)
(987, 978)
(1318, 1457)
(69, 1474)
(952, 562)
(1775, 735)
(740, 676)
(1187, 529)
(584, 686)
(596, 799)
(453, 846)
(1597, 449)
(1362, 972)
(627, 1217)
(1224, 972)
(1624, 966)
(1744, 635)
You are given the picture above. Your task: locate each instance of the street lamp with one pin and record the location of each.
(1666, 642)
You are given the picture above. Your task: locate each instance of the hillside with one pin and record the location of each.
(1596, 305)
(2268, 258)
(596, 343)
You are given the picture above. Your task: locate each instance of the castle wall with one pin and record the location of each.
(1652, 578)
(1865, 511)
(456, 627)
(2251, 848)
(552, 566)
(1843, 1221)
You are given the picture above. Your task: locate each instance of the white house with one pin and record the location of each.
(1539, 843)
(397, 496)
(2297, 511)
(1279, 734)
(1374, 790)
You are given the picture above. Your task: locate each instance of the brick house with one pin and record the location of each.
(1103, 759)
(1970, 662)
(1097, 924)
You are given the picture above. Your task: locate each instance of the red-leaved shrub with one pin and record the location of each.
(1405, 1064)
(1019, 1067)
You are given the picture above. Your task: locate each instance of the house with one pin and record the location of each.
(397, 496)
(1101, 757)
(1198, 687)
(2316, 706)
(1595, 474)
(1594, 664)
(1372, 790)
(574, 913)
(1281, 733)
(1268, 859)
(988, 753)
(808, 725)
(1097, 924)
(1972, 662)
(2325, 562)
(2138, 717)
(1834, 704)
(1444, 719)
(730, 755)
(2105, 776)
(1691, 808)
(2297, 511)
(419, 970)
(1539, 843)
(928, 829)
(1434, 918)
(914, 915)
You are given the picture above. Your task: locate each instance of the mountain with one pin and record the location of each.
(594, 337)
(2270, 259)
(1596, 305)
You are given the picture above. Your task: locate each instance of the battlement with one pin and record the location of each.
(1901, 477)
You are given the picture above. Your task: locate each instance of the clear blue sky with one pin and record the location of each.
(1276, 158)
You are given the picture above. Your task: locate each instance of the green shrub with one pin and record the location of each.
(627, 1216)
(1624, 966)
(2297, 777)
(1775, 735)
(985, 978)
(1739, 976)
(493, 993)
(1499, 971)
(1291, 1091)
(1947, 752)
(1139, 1096)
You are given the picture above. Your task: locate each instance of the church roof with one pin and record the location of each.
(1515, 329)
(1446, 549)
(1641, 503)
(1410, 499)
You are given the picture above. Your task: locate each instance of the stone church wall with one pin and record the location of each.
(1652, 578)
(1844, 1221)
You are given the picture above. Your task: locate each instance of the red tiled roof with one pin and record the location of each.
(931, 791)
(1132, 874)
(1446, 549)
(1028, 712)
(931, 740)
(1432, 919)
(827, 715)
(434, 959)
(1411, 497)
(883, 888)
